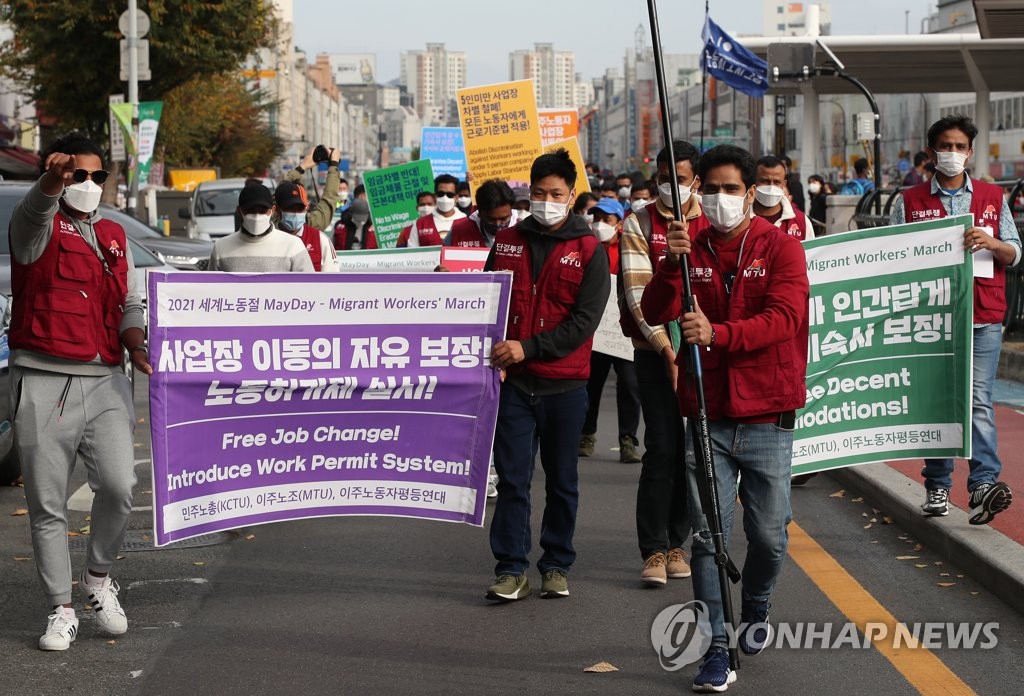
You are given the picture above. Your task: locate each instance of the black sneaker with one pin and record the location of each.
(755, 631)
(992, 498)
(715, 675)
(937, 503)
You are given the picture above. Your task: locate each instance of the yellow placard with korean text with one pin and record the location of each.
(500, 130)
(572, 146)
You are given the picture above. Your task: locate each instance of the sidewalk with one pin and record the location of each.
(993, 554)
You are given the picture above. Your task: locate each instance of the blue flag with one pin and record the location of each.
(728, 60)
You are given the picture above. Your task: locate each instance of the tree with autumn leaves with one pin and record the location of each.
(66, 57)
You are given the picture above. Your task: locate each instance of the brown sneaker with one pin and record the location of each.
(628, 453)
(677, 567)
(654, 569)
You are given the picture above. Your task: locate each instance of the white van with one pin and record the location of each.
(211, 211)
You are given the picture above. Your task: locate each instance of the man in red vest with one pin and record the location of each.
(291, 201)
(662, 520)
(750, 287)
(430, 230)
(560, 287)
(76, 310)
(953, 192)
(493, 213)
(771, 199)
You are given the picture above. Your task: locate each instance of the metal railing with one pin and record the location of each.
(865, 216)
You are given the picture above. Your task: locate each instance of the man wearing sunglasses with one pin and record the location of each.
(76, 310)
(430, 230)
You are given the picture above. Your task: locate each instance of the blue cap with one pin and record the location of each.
(611, 206)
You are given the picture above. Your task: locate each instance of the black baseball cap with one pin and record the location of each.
(255, 196)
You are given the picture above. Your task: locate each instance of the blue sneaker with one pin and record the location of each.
(714, 675)
(755, 631)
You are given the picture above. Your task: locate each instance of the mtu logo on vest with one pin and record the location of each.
(755, 269)
(115, 249)
(571, 259)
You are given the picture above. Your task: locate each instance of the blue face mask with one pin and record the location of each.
(293, 222)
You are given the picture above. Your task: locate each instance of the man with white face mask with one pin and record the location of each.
(76, 310)
(953, 192)
(560, 286)
(430, 230)
(290, 198)
(750, 287)
(772, 202)
(258, 246)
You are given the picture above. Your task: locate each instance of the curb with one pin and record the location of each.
(1011, 365)
(987, 555)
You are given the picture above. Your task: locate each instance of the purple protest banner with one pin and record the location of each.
(287, 396)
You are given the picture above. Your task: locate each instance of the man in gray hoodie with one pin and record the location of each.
(76, 309)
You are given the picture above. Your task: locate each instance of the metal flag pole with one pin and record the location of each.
(701, 434)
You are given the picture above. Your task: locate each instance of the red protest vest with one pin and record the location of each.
(311, 239)
(543, 306)
(65, 303)
(426, 232)
(466, 233)
(655, 229)
(746, 383)
(920, 203)
(795, 226)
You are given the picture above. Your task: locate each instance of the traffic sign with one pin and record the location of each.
(141, 23)
(143, 52)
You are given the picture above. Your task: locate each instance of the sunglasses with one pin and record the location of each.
(444, 194)
(98, 176)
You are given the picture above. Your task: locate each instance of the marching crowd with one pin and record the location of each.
(76, 308)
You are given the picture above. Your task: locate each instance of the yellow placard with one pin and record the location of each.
(188, 179)
(500, 130)
(572, 145)
(558, 124)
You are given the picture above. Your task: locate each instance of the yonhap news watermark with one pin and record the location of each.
(681, 635)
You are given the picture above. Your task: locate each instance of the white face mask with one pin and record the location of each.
(425, 210)
(638, 203)
(603, 231)
(588, 218)
(549, 213)
(814, 187)
(445, 204)
(724, 212)
(665, 194)
(464, 201)
(768, 196)
(256, 224)
(343, 196)
(624, 192)
(83, 197)
(950, 163)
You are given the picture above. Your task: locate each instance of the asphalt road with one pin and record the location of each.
(380, 606)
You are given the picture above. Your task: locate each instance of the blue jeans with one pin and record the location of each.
(984, 462)
(662, 522)
(763, 454)
(554, 424)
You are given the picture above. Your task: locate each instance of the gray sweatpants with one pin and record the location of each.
(96, 424)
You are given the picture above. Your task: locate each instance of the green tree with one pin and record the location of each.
(66, 55)
(216, 121)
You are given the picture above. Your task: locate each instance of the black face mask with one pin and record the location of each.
(492, 229)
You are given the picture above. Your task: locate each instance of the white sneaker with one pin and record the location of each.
(60, 631)
(492, 486)
(103, 600)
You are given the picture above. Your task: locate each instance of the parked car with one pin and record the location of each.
(211, 211)
(180, 252)
(145, 261)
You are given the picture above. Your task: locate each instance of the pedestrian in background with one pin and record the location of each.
(607, 226)
(796, 189)
(817, 210)
(560, 285)
(309, 225)
(77, 308)
(464, 199)
(771, 199)
(917, 174)
(430, 230)
(662, 519)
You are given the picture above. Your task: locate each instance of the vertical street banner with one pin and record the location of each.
(391, 194)
(443, 147)
(557, 124)
(288, 396)
(572, 146)
(500, 130)
(889, 352)
(141, 152)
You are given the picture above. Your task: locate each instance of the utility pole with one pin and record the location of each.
(133, 99)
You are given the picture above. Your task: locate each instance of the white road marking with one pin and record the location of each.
(164, 581)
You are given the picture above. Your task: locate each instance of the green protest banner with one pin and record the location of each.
(149, 122)
(391, 193)
(889, 352)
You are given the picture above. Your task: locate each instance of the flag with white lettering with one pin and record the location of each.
(728, 60)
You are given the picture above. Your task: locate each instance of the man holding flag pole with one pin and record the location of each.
(743, 305)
